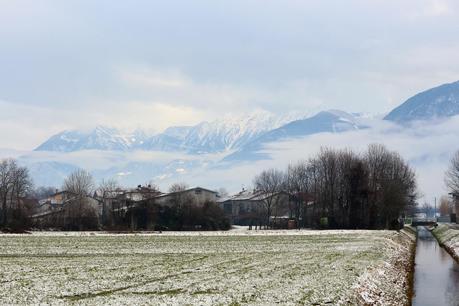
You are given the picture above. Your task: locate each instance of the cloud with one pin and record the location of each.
(154, 79)
(428, 147)
(437, 8)
(24, 126)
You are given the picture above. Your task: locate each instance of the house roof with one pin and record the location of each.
(187, 190)
(247, 195)
(138, 193)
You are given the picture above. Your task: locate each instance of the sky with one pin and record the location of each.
(153, 64)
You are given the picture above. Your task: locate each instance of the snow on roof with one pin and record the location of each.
(187, 190)
(247, 195)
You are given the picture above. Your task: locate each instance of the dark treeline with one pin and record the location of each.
(15, 184)
(344, 189)
(185, 215)
(333, 189)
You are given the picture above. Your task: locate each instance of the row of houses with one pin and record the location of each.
(244, 208)
(247, 207)
(124, 204)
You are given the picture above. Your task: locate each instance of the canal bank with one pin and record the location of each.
(436, 273)
(448, 237)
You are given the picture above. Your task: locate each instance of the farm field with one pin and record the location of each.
(227, 268)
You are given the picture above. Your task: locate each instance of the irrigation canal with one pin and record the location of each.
(436, 273)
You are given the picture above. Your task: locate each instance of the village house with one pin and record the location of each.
(131, 206)
(54, 209)
(248, 207)
(51, 204)
(198, 195)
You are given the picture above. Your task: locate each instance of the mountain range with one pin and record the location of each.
(232, 139)
(226, 133)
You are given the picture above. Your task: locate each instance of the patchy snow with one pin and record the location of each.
(201, 268)
(448, 235)
(388, 282)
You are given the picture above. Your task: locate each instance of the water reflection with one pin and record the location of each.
(436, 276)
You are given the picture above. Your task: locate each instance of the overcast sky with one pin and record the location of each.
(152, 64)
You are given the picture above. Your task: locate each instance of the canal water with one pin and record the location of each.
(436, 273)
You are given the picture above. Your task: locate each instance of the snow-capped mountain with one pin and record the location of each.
(231, 132)
(438, 102)
(239, 141)
(332, 121)
(100, 138)
(226, 133)
(235, 138)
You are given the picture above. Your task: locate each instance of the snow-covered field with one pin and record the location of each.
(448, 235)
(237, 267)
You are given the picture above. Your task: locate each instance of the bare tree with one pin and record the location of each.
(452, 175)
(107, 186)
(106, 192)
(297, 182)
(269, 183)
(348, 190)
(445, 206)
(80, 185)
(41, 192)
(428, 209)
(392, 185)
(176, 187)
(15, 183)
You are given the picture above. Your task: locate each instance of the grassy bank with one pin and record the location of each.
(448, 237)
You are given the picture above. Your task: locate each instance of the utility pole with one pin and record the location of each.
(435, 210)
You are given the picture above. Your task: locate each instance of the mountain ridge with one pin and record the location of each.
(206, 137)
(437, 102)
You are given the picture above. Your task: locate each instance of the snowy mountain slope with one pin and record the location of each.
(100, 138)
(230, 132)
(226, 133)
(438, 102)
(178, 132)
(131, 171)
(161, 142)
(332, 121)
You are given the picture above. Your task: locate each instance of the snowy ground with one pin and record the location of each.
(236, 267)
(448, 235)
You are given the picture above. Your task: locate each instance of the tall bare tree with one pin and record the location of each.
(349, 190)
(297, 183)
(445, 206)
(269, 182)
(80, 185)
(106, 191)
(15, 183)
(176, 187)
(452, 175)
(107, 186)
